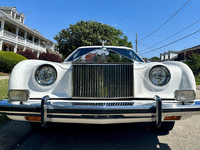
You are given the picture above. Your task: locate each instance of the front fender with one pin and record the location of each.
(187, 78)
(23, 77)
(181, 78)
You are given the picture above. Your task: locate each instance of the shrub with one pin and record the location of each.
(8, 60)
(28, 54)
(194, 62)
(50, 57)
(197, 79)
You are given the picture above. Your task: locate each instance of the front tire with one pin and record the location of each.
(165, 126)
(36, 127)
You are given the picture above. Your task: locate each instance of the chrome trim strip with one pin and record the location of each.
(114, 98)
(20, 113)
(101, 121)
(99, 117)
(105, 104)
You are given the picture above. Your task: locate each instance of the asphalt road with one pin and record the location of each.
(18, 135)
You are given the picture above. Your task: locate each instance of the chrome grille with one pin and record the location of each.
(102, 80)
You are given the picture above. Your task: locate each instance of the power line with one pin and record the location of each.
(170, 43)
(165, 21)
(148, 19)
(172, 35)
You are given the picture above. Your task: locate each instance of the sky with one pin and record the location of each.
(159, 24)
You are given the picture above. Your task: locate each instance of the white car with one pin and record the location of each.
(101, 85)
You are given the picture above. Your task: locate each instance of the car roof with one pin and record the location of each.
(122, 47)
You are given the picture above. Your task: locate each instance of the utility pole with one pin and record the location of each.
(136, 43)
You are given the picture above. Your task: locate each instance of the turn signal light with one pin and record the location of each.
(172, 118)
(18, 95)
(184, 95)
(33, 118)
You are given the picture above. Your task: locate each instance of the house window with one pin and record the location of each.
(20, 33)
(29, 37)
(36, 40)
(9, 29)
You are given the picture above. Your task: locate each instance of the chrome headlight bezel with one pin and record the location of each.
(161, 73)
(45, 78)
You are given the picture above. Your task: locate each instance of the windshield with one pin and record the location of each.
(125, 52)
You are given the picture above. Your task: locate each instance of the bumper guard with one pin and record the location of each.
(99, 112)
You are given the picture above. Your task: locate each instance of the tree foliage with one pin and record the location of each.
(194, 63)
(155, 58)
(88, 33)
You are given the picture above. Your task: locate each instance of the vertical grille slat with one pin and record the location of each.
(103, 81)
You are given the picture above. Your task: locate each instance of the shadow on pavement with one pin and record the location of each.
(82, 136)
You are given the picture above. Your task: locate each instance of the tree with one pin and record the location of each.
(153, 59)
(87, 33)
(194, 63)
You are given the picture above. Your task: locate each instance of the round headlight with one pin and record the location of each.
(45, 75)
(159, 75)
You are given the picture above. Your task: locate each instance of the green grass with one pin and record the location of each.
(197, 78)
(3, 94)
(4, 88)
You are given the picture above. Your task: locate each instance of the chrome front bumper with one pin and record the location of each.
(99, 112)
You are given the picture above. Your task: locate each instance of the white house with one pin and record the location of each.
(170, 55)
(162, 57)
(16, 36)
(166, 55)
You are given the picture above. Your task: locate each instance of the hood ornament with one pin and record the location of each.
(103, 43)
